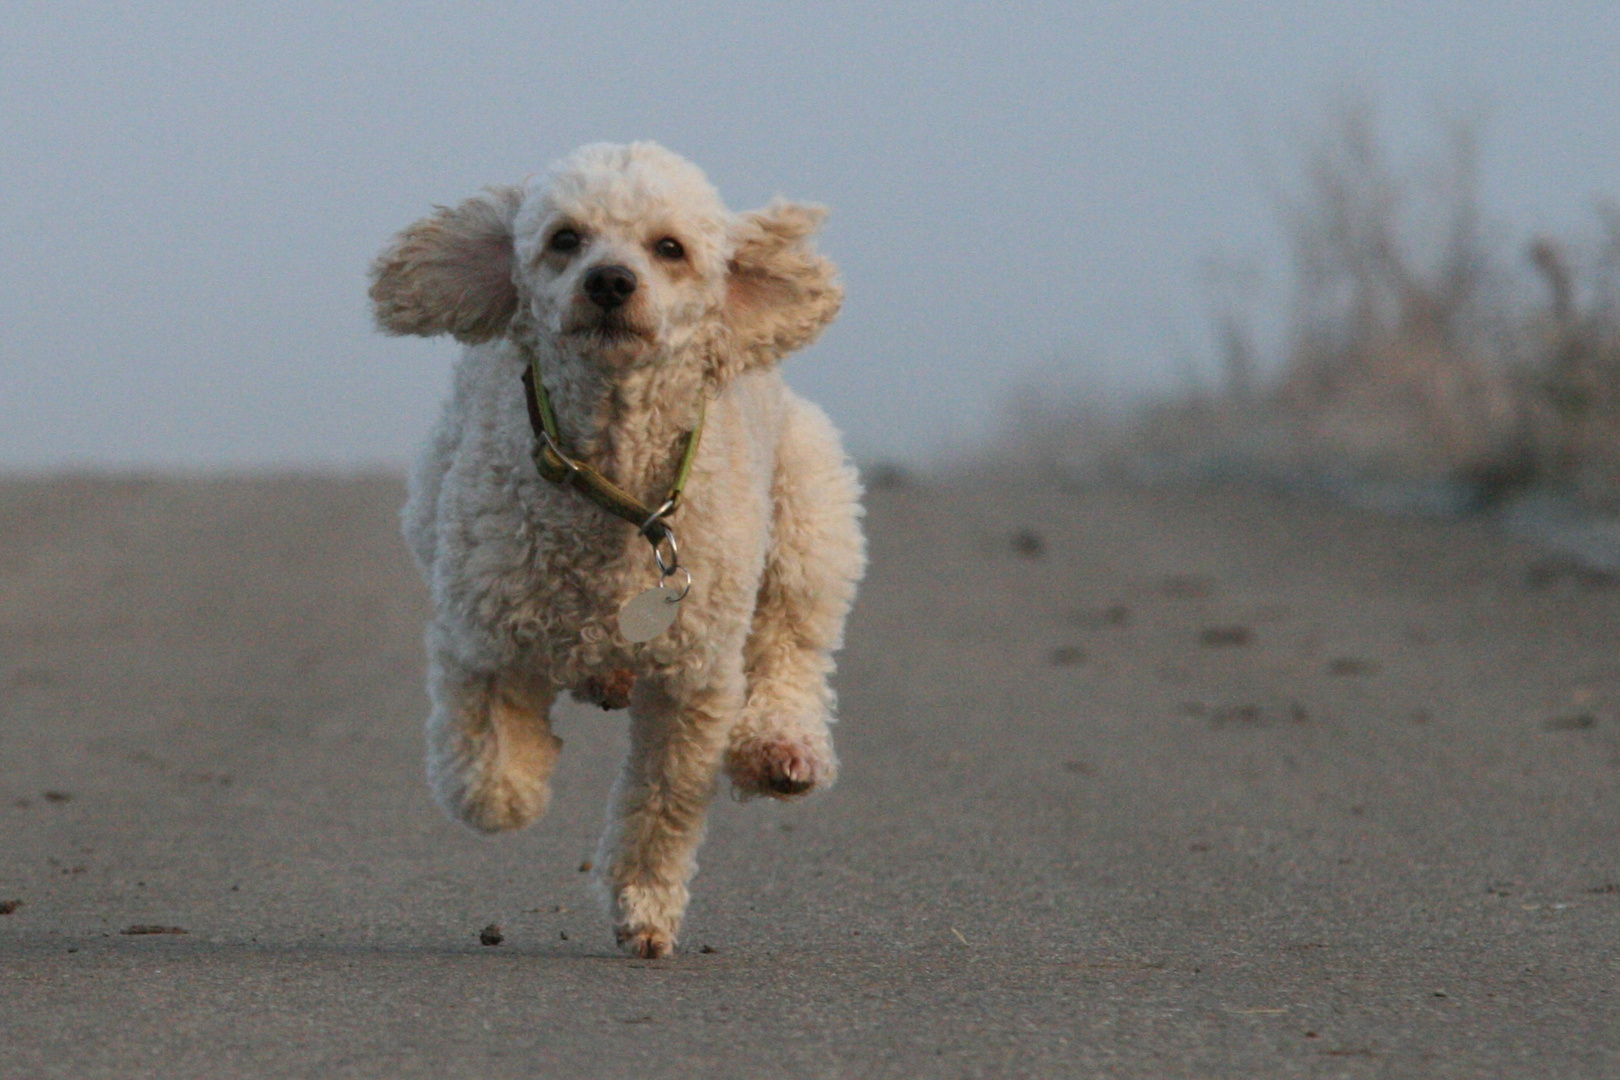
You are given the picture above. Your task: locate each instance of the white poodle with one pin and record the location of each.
(620, 388)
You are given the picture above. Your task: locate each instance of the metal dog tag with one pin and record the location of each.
(649, 614)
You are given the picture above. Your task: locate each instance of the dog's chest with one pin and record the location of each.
(567, 576)
(582, 563)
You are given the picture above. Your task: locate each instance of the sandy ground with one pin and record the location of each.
(1135, 784)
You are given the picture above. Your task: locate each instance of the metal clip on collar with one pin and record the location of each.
(667, 568)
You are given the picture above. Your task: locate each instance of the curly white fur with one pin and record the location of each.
(528, 577)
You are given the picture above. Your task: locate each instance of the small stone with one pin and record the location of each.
(490, 935)
(1216, 637)
(1238, 714)
(1066, 656)
(1573, 722)
(1187, 587)
(1028, 544)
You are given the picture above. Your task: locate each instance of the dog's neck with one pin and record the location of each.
(627, 420)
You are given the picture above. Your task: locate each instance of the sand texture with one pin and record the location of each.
(1135, 784)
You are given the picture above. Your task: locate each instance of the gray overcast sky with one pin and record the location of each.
(1022, 193)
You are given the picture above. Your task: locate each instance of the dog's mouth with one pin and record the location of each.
(606, 328)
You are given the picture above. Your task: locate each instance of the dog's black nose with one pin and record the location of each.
(610, 286)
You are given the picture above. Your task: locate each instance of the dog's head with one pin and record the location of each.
(623, 255)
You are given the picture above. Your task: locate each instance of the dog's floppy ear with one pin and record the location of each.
(780, 294)
(452, 272)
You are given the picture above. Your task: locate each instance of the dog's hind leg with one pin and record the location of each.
(490, 750)
(655, 823)
(781, 745)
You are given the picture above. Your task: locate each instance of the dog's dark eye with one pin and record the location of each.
(670, 248)
(565, 240)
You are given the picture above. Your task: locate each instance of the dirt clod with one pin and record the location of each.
(8, 906)
(1546, 573)
(491, 935)
(1238, 714)
(1573, 722)
(1027, 544)
(1216, 637)
(1186, 587)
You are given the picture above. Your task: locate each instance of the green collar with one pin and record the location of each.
(559, 468)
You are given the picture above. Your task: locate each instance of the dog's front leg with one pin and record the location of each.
(490, 750)
(781, 746)
(659, 804)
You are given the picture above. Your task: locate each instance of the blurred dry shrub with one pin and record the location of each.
(1421, 355)
(1571, 396)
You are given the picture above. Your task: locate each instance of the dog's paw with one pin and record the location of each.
(491, 793)
(645, 942)
(778, 766)
(647, 916)
(489, 768)
(499, 806)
